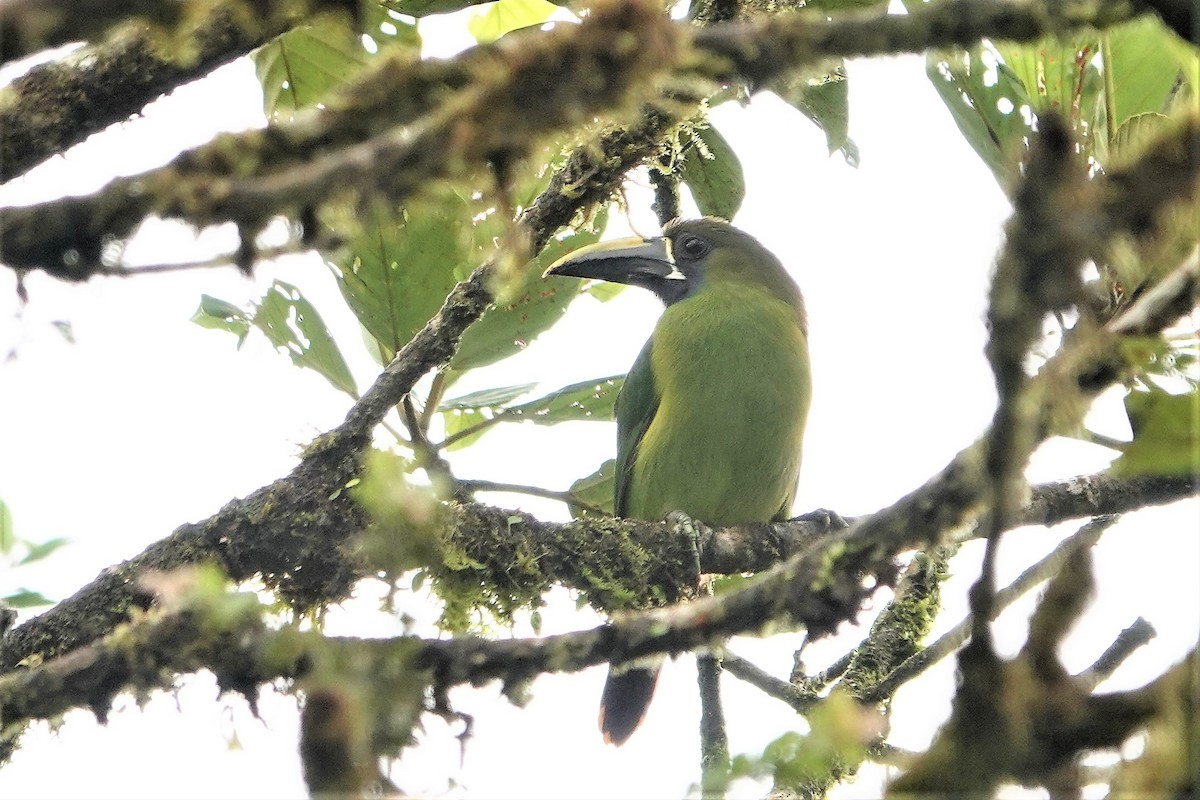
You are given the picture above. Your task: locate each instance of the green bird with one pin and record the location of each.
(711, 418)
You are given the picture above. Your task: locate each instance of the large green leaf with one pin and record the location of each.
(587, 400)
(536, 304)
(1166, 434)
(292, 324)
(505, 16)
(713, 173)
(298, 68)
(1099, 81)
(987, 102)
(478, 411)
(1140, 67)
(398, 269)
(822, 96)
(1057, 75)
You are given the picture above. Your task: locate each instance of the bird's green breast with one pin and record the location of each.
(730, 368)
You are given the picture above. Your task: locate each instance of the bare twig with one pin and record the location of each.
(1139, 633)
(769, 685)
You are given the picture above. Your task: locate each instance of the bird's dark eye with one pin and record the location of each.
(693, 246)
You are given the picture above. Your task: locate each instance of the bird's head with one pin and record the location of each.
(689, 256)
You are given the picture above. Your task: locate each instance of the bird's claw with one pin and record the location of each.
(683, 525)
(829, 520)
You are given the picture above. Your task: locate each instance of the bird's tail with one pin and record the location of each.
(627, 693)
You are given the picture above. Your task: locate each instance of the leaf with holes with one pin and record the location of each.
(292, 324)
(221, 315)
(989, 105)
(823, 96)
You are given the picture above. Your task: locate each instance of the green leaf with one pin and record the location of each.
(839, 729)
(8, 532)
(221, 315)
(822, 96)
(586, 400)
(299, 67)
(26, 598)
(400, 266)
(713, 173)
(1166, 434)
(405, 518)
(1140, 69)
(1057, 75)
(989, 105)
(388, 28)
(1136, 132)
(422, 8)
(487, 398)
(509, 327)
(42, 549)
(508, 15)
(292, 324)
(595, 490)
(474, 410)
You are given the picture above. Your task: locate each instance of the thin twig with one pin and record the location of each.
(950, 641)
(768, 684)
(714, 741)
(533, 491)
(1139, 633)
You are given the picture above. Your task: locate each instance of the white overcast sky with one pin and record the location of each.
(147, 421)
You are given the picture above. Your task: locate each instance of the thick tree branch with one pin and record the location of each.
(61, 103)
(487, 121)
(606, 65)
(226, 634)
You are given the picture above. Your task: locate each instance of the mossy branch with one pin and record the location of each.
(250, 178)
(155, 47)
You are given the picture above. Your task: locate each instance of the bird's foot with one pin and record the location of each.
(830, 520)
(683, 525)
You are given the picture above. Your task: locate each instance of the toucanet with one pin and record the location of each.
(710, 420)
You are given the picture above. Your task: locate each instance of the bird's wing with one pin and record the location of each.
(635, 407)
